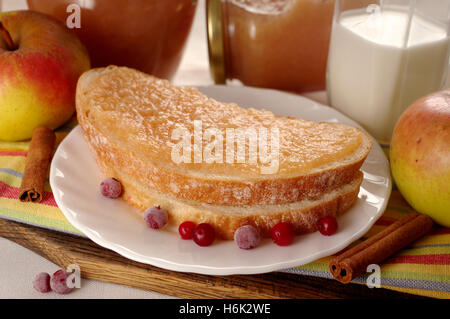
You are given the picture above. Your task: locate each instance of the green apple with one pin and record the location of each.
(420, 156)
(40, 62)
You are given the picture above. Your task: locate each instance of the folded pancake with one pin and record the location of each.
(128, 119)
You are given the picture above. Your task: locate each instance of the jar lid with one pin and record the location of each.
(216, 50)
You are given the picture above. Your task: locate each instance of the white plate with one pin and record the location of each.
(75, 180)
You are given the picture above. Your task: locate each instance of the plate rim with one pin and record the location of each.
(215, 270)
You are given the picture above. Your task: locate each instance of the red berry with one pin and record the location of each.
(111, 188)
(283, 234)
(186, 230)
(155, 217)
(247, 237)
(42, 282)
(328, 226)
(58, 282)
(204, 234)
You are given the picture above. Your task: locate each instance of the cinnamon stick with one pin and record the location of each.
(36, 168)
(353, 262)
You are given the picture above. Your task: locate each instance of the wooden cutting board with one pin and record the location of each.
(99, 263)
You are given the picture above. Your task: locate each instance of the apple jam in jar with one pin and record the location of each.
(281, 44)
(148, 35)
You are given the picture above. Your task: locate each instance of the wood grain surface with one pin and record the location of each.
(99, 263)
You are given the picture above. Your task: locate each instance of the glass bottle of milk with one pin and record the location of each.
(383, 56)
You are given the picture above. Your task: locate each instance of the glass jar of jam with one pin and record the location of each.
(281, 44)
(148, 35)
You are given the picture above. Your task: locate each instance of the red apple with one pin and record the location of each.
(40, 62)
(420, 156)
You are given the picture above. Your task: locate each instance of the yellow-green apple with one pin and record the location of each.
(40, 62)
(420, 156)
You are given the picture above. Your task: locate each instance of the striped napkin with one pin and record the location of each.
(422, 268)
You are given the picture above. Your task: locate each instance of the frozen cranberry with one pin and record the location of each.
(204, 234)
(283, 234)
(58, 282)
(186, 230)
(111, 188)
(155, 217)
(328, 226)
(42, 282)
(247, 237)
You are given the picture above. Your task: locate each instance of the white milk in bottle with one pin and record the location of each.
(379, 64)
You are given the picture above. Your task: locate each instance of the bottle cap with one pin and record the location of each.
(216, 50)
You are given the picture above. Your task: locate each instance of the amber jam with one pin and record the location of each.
(281, 44)
(148, 35)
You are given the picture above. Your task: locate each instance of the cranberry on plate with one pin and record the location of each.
(155, 217)
(247, 237)
(204, 234)
(328, 226)
(111, 188)
(283, 234)
(186, 230)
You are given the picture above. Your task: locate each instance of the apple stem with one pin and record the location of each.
(7, 37)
